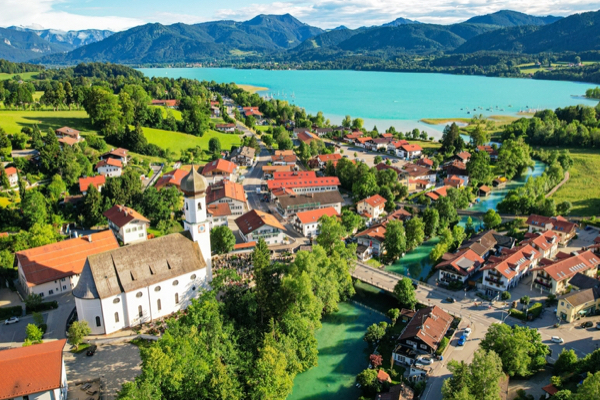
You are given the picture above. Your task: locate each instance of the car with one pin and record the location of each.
(450, 299)
(467, 332)
(557, 339)
(11, 320)
(597, 325)
(462, 340)
(587, 324)
(396, 161)
(425, 360)
(92, 350)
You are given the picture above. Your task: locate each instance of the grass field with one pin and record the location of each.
(583, 188)
(426, 145)
(261, 128)
(176, 141)
(26, 76)
(176, 113)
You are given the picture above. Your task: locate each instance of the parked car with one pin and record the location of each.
(450, 299)
(557, 339)
(425, 360)
(597, 325)
(92, 350)
(587, 324)
(11, 320)
(467, 332)
(462, 340)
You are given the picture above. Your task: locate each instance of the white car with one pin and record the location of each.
(11, 320)
(425, 360)
(467, 332)
(557, 339)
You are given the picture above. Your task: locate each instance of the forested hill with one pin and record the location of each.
(508, 18)
(578, 32)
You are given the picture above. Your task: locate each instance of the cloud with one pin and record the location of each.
(356, 13)
(42, 13)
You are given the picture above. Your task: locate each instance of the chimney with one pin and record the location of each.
(90, 238)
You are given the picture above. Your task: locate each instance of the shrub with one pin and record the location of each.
(7, 312)
(517, 314)
(45, 306)
(536, 309)
(505, 295)
(443, 344)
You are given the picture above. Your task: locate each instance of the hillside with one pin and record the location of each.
(508, 18)
(20, 46)
(70, 39)
(401, 21)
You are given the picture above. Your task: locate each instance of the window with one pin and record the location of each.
(199, 205)
(193, 277)
(157, 289)
(194, 288)
(176, 298)
(186, 206)
(42, 294)
(64, 287)
(158, 305)
(116, 317)
(63, 279)
(140, 312)
(50, 291)
(175, 282)
(127, 230)
(142, 234)
(139, 294)
(98, 321)
(116, 301)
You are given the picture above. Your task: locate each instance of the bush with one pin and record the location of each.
(443, 344)
(7, 312)
(45, 306)
(517, 314)
(505, 295)
(44, 328)
(536, 309)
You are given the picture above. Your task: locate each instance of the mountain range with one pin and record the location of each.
(273, 37)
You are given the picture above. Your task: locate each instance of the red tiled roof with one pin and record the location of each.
(255, 219)
(329, 157)
(375, 232)
(120, 152)
(464, 262)
(306, 182)
(464, 155)
(383, 376)
(84, 183)
(225, 189)
(3, 234)
(507, 263)
(121, 215)
(550, 389)
(220, 165)
(251, 111)
(31, 369)
(276, 168)
(425, 162)
(307, 217)
(411, 147)
(558, 223)
(353, 136)
(597, 239)
(387, 135)
(566, 268)
(10, 171)
(363, 140)
(399, 143)
(284, 152)
(171, 178)
(219, 209)
(113, 162)
(307, 137)
(285, 158)
(454, 181)
(282, 175)
(485, 189)
(429, 324)
(282, 192)
(69, 141)
(375, 201)
(247, 245)
(545, 240)
(59, 260)
(400, 214)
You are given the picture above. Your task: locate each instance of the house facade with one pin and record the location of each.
(128, 225)
(504, 272)
(456, 268)
(97, 181)
(562, 227)
(120, 154)
(305, 185)
(229, 192)
(289, 205)
(227, 128)
(370, 242)
(410, 151)
(371, 208)
(307, 222)
(219, 169)
(12, 175)
(554, 277)
(218, 214)
(110, 167)
(244, 156)
(256, 225)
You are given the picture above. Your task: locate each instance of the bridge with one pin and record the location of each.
(379, 278)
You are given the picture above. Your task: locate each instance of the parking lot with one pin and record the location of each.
(369, 156)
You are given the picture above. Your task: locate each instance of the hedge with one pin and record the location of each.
(536, 309)
(442, 346)
(517, 314)
(45, 306)
(7, 312)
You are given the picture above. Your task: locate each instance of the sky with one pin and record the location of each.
(119, 15)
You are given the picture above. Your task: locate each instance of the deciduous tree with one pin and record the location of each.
(405, 293)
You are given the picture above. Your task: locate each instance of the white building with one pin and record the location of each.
(55, 268)
(410, 151)
(142, 282)
(307, 222)
(371, 208)
(255, 225)
(128, 225)
(13, 176)
(218, 214)
(34, 372)
(110, 167)
(228, 192)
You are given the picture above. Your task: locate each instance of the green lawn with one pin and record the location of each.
(583, 188)
(176, 141)
(426, 144)
(176, 113)
(26, 76)
(261, 128)
(14, 121)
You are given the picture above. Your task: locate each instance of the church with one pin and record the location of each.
(135, 284)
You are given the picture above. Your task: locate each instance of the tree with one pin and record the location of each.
(347, 121)
(479, 380)
(377, 160)
(491, 219)
(447, 212)
(458, 235)
(505, 295)
(331, 233)
(394, 241)
(4, 181)
(375, 332)
(479, 168)
(525, 300)
(564, 208)
(430, 219)
(393, 314)
(590, 389)
(77, 331)
(368, 381)
(357, 123)
(376, 360)
(451, 140)
(270, 378)
(34, 208)
(514, 158)
(34, 335)
(405, 293)
(480, 136)
(351, 221)
(214, 145)
(92, 207)
(415, 232)
(33, 301)
(566, 362)
(222, 239)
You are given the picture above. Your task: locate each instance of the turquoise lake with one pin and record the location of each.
(398, 99)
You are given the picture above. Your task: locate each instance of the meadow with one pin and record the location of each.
(26, 76)
(177, 141)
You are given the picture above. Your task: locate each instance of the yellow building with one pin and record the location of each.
(578, 304)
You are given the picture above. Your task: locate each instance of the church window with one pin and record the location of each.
(116, 317)
(199, 205)
(98, 321)
(176, 298)
(140, 311)
(175, 283)
(117, 300)
(158, 305)
(193, 277)
(139, 294)
(157, 289)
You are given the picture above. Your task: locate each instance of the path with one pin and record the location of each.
(566, 178)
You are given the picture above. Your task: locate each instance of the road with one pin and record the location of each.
(583, 341)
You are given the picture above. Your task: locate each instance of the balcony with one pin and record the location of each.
(494, 280)
(495, 274)
(543, 283)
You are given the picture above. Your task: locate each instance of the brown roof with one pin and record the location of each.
(464, 155)
(84, 183)
(31, 369)
(481, 243)
(255, 219)
(485, 189)
(172, 178)
(285, 158)
(580, 297)
(120, 152)
(414, 170)
(400, 214)
(363, 140)
(550, 389)
(375, 201)
(284, 152)
(225, 189)
(397, 392)
(374, 232)
(65, 130)
(121, 215)
(464, 262)
(321, 198)
(220, 165)
(225, 126)
(247, 152)
(110, 161)
(566, 268)
(307, 217)
(307, 137)
(429, 324)
(558, 223)
(219, 209)
(69, 141)
(63, 259)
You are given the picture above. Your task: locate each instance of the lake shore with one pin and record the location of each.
(253, 89)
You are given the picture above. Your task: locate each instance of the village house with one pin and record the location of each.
(414, 171)
(166, 103)
(490, 150)
(400, 215)
(55, 268)
(65, 131)
(379, 143)
(323, 159)
(290, 204)
(554, 277)
(307, 137)
(321, 132)
(484, 243)
(562, 227)
(454, 181)
(284, 159)
(255, 225)
(252, 111)
(425, 162)
(218, 214)
(484, 191)
(545, 242)
(229, 192)
(171, 178)
(297, 131)
(219, 169)
(67, 141)
(110, 167)
(97, 181)
(456, 268)
(118, 154)
(304, 185)
(244, 156)
(458, 169)
(363, 141)
(215, 112)
(370, 242)
(438, 192)
(371, 208)
(351, 138)
(395, 146)
(128, 225)
(397, 392)
(227, 128)
(583, 300)
(409, 151)
(503, 272)
(34, 372)
(269, 170)
(463, 156)
(422, 335)
(307, 222)
(12, 175)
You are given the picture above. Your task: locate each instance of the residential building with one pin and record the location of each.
(55, 268)
(269, 170)
(297, 131)
(482, 243)
(578, 303)
(323, 131)
(457, 169)
(34, 372)
(218, 214)
(252, 111)
(65, 131)
(171, 178)
(370, 242)
(582, 281)
(244, 156)
(132, 285)
(69, 141)
(395, 146)
(400, 215)
(305, 185)
(490, 150)
(410, 151)
(504, 272)
(415, 171)
(284, 175)
(215, 112)
(363, 141)
(454, 181)
(554, 277)
(545, 242)
(128, 225)
(110, 167)
(284, 159)
(484, 191)
(463, 156)
(307, 222)
(323, 159)
(397, 392)
(118, 154)
(229, 192)
(351, 138)
(288, 205)
(379, 143)
(425, 162)
(166, 103)
(227, 128)
(219, 169)
(371, 208)
(562, 227)
(13, 176)
(457, 267)
(256, 224)
(97, 181)
(438, 192)
(307, 137)
(422, 335)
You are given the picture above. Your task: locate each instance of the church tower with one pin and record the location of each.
(194, 186)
